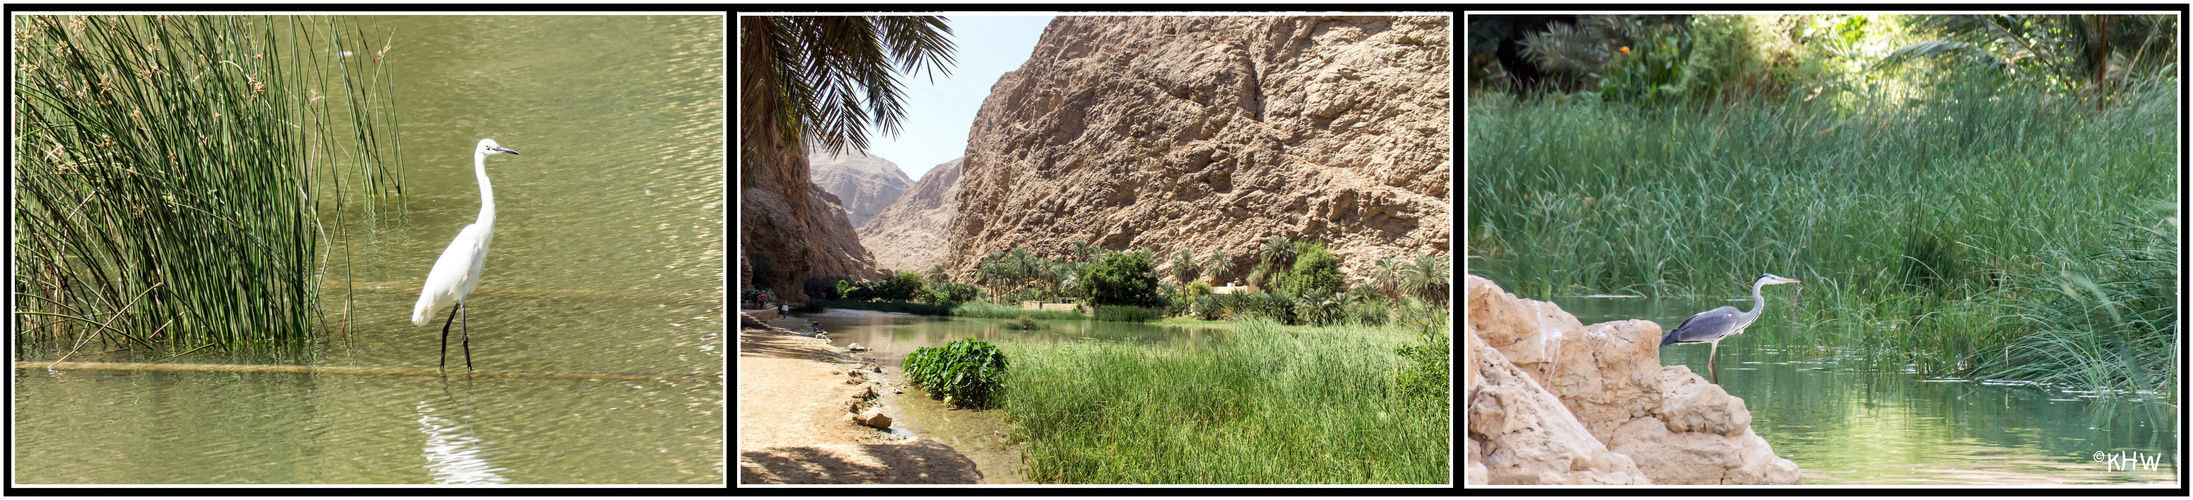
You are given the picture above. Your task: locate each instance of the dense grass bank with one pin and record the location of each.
(1972, 229)
(981, 310)
(1272, 404)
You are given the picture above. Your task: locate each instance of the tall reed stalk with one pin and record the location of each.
(1974, 227)
(169, 192)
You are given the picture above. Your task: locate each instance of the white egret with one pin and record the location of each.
(457, 272)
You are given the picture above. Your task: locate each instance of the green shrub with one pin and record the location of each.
(1199, 289)
(957, 292)
(1129, 314)
(1366, 311)
(1317, 308)
(1315, 268)
(1208, 308)
(1275, 306)
(965, 372)
(902, 286)
(1125, 279)
(1426, 378)
(891, 306)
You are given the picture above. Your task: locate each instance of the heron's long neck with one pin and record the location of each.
(1758, 302)
(487, 192)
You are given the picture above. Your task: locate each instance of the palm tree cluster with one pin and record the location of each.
(1424, 276)
(1014, 273)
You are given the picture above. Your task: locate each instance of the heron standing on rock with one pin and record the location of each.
(1721, 322)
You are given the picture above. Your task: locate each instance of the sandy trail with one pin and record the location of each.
(793, 426)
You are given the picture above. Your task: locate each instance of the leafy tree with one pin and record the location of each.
(1315, 269)
(1125, 279)
(901, 286)
(1386, 276)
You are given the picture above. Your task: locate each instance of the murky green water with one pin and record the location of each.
(1844, 422)
(976, 433)
(607, 258)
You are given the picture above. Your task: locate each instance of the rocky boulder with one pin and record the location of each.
(873, 418)
(1521, 434)
(1215, 133)
(909, 235)
(864, 184)
(1678, 428)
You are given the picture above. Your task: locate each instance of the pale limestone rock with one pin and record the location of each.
(909, 235)
(864, 184)
(1678, 428)
(1215, 133)
(1526, 436)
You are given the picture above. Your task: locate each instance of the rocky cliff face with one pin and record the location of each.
(794, 229)
(909, 235)
(1215, 133)
(864, 184)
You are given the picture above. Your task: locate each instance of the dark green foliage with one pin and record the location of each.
(1315, 268)
(901, 286)
(1120, 279)
(979, 310)
(1275, 306)
(1368, 310)
(1426, 378)
(959, 292)
(1129, 314)
(1318, 308)
(1930, 263)
(885, 306)
(1207, 308)
(1199, 289)
(822, 287)
(964, 372)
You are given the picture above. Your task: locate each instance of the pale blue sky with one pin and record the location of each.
(938, 115)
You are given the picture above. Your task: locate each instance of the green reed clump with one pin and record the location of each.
(1271, 404)
(965, 372)
(170, 193)
(1932, 225)
(980, 310)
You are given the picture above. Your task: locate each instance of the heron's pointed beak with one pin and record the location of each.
(506, 150)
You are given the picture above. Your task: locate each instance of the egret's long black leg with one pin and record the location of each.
(445, 338)
(467, 337)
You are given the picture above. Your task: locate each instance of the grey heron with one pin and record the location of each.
(1721, 322)
(457, 272)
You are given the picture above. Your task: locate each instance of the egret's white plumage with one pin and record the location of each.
(457, 272)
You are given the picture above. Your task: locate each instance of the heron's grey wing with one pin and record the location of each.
(1704, 327)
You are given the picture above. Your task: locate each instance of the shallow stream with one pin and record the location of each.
(1844, 422)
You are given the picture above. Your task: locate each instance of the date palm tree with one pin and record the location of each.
(1386, 276)
(1426, 277)
(826, 78)
(1185, 268)
(1217, 266)
(1277, 253)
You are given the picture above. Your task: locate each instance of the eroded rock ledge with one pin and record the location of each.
(1552, 401)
